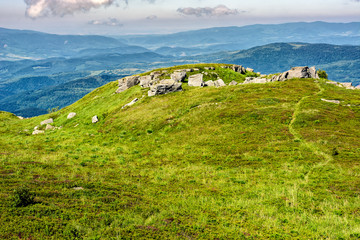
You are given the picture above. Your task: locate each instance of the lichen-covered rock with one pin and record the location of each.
(71, 115)
(219, 83)
(164, 87)
(47, 121)
(127, 82)
(196, 80)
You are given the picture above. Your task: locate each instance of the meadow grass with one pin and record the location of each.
(254, 161)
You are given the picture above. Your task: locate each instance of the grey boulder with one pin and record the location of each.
(127, 82)
(178, 76)
(47, 121)
(130, 103)
(297, 72)
(145, 81)
(233, 83)
(219, 83)
(71, 115)
(209, 83)
(196, 80)
(164, 87)
(94, 119)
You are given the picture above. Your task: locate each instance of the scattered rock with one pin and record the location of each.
(209, 83)
(357, 87)
(209, 68)
(347, 85)
(130, 103)
(297, 72)
(36, 127)
(196, 80)
(333, 83)
(49, 127)
(165, 86)
(331, 101)
(78, 188)
(20, 117)
(255, 80)
(196, 69)
(47, 121)
(71, 115)
(95, 119)
(249, 70)
(233, 83)
(35, 132)
(219, 83)
(178, 76)
(127, 82)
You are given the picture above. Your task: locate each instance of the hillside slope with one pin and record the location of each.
(238, 162)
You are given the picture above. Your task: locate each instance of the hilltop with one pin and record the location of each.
(277, 159)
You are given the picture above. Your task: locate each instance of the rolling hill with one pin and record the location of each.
(253, 161)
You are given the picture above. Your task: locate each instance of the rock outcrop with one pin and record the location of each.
(196, 80)
(297, 72)
(165, 86)
(256, 80)
(233, 83)
(127, 82)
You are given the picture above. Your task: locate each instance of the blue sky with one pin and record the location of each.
(115, 17)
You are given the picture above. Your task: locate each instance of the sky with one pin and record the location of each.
(123, 17)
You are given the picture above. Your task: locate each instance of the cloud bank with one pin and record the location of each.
(218, 11)
(44, 8)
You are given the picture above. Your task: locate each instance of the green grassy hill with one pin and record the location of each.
(252, 161)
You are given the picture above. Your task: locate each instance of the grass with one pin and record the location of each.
(265, 161)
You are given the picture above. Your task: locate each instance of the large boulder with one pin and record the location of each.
(196, 80)
(209, 83)
(347, 85)
(178, 76)
(239, 69)
(297, 72)
(47, 121)
(219, 83)
(145, 81)
(165, 86)
(127, 82)
(233, 83)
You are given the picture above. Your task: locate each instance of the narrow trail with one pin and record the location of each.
(310, 145)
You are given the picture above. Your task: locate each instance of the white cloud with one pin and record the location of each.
(112, 22)
(218, 11)
(43, 8)
(151, 17)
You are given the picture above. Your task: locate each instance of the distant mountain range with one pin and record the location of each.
(34, 66)
(238, 38)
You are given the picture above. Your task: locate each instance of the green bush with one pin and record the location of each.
(22, 197)
(322, 74)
